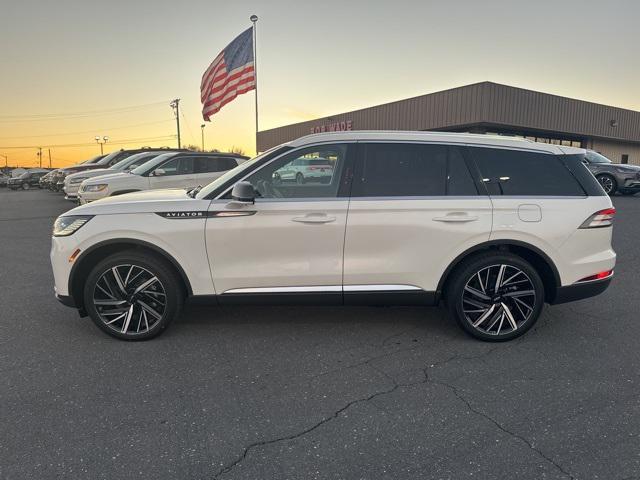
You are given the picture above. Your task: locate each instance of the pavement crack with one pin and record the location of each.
(501, 427)
(310, 429)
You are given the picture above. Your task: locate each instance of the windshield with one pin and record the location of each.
(595, 157)
(150, 165)
(233, 172)
(134, 161)
(108, 158)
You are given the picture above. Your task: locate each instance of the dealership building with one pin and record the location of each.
(488, 107)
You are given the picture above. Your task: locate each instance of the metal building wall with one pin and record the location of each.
(480, 103)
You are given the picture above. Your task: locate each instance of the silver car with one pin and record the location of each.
(302, 170)
(613, 177)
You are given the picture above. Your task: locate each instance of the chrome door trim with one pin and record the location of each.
(325, 289)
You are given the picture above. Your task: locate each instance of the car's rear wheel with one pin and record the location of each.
(26, 186)
(608, 183)
(299, 178)
(495, 297)
(133, 296)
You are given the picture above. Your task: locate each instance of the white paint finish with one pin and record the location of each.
(272, 248)
(402, 241)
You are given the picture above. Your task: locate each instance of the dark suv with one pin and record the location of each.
(613, 177)
(26, 181)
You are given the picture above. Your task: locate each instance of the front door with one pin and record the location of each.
(414, 208)
(290, 242)
(177, 172)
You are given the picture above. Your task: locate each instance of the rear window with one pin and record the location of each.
(520, 173)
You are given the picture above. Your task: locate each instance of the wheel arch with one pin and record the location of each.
(545, 267)
(100, 250)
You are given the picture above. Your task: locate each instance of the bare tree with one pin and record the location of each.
(237, 150)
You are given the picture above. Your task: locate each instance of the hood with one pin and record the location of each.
(108, 177)
(149, 201)
(626, 167)
(85, 172)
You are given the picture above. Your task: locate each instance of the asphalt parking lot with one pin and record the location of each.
(314, 392)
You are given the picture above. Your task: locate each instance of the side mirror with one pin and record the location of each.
(159, 172)
(243, 192)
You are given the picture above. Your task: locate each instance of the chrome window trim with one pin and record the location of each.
(380, 288)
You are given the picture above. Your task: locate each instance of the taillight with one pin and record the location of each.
(602, 218)
(597, 276)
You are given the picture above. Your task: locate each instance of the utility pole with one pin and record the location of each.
(254, 20)
(175, 104)
(40, 156)
(49, 158)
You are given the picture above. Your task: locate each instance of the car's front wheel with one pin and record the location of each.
(133, 295)
(495, 297)
(26, 186)
(608, 183)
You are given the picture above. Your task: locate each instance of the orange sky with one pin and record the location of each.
(314, 59)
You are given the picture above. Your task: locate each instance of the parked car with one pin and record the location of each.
(495, 226)
(72, 182)
(3, 179)
(613, 177)
(45, 180)
(169, 170)
(27, 180)
(56, 181)
(304, 170)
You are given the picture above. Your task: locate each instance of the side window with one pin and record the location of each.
(178, 166)
(307, 173)
(213, 164)
(401, 170)
(512, 172)
(459, 179)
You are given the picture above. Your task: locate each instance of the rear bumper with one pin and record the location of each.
(580, 291)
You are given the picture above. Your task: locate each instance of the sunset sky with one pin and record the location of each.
(74, 69)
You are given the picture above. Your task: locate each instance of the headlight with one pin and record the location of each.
(625, 170)
(95, 188)
(65, 226)
(73, 181)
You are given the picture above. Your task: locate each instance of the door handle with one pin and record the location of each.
(314, 218)
(456, 217)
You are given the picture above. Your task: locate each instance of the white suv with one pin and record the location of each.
(169, 170)
(494, 226)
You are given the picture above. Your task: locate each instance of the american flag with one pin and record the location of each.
(230, 74)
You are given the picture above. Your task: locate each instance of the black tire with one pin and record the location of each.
(299, 178)
(472, 270)
(168, 284)
(608, 183)
(26, 186)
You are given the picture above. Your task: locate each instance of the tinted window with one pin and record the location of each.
(178, 166)
(459, 179)
(401, 170)
(292, 175)
(213, 164)
(575, 163)
(512, 172)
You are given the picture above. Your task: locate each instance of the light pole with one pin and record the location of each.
(101, 141)
(202, 132)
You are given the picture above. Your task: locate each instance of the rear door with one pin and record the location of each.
(414, 208)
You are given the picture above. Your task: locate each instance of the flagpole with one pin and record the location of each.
(254, 19)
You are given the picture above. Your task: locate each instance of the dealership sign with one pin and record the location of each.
(333, 127)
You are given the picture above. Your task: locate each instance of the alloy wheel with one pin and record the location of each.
(606, 182)
(498, 299)
(129, 299)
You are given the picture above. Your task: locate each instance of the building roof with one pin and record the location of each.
(432, 137)
(486, 103)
